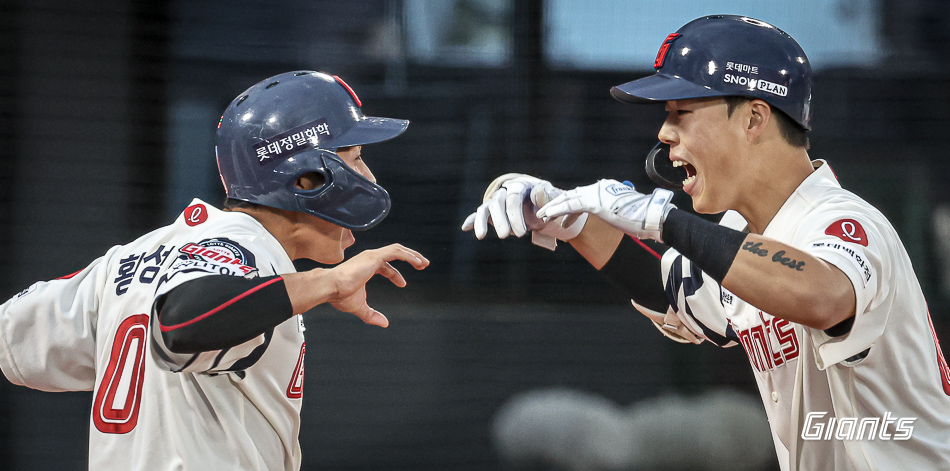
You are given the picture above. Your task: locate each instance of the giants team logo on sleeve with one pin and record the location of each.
(848, 230)
(195, 214)
(225, 255)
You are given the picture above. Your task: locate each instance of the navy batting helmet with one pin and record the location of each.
(290, 125)
(727, 55)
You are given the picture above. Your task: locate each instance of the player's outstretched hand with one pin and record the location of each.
(351, 276)
(510, 203)
(344, 286)
(619, 204)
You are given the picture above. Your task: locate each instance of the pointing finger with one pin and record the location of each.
(469, 223)
(481, 221)
(548, 210)
(514, 207)
(498, 216)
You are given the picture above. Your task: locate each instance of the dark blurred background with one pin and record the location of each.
(107, 117)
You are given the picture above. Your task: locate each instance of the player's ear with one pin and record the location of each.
(310, 181)
(758, 117)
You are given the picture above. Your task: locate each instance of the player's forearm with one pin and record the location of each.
(789, 283)
(597, 242)
(630, 267)
(766, 273)
(310, 288)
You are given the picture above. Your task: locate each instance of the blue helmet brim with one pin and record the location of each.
(370, 130)
(660, 88)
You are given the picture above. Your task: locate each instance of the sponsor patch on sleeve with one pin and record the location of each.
(24, 292)
(848, 230)
(856, 256)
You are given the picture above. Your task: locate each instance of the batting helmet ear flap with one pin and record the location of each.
(346, 198)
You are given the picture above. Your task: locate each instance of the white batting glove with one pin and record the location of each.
(618, 204)
(510, 203)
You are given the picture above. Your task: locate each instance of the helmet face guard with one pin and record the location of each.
(290, 125)
(727, 55)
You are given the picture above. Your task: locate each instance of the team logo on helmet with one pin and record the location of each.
(664, 50)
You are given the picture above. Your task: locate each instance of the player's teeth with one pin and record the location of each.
(689, 180)
(677, 163)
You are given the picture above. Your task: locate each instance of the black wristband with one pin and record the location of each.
(710, 246)
(634, 269)
(219, 311)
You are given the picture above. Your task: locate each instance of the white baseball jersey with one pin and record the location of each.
(877, 398)
(237, 408)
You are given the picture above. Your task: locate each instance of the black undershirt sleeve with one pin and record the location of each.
(710, 246)
(219, 311)
(635, 270)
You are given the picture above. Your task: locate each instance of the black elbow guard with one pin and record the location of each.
(634, 269)
(217, 312)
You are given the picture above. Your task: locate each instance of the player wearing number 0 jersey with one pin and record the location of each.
(229, 408)
(188, 336)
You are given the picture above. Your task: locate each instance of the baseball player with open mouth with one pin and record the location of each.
(812, 281)
(189, 336)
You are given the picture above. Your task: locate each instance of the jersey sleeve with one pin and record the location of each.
(47, 332)
(210, 257)
(696, 300)
(856, 244)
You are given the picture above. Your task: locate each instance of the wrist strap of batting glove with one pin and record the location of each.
(563, 228)
(644, 219)
(657, 210)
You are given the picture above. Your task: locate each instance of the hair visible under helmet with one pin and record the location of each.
(290, 125)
